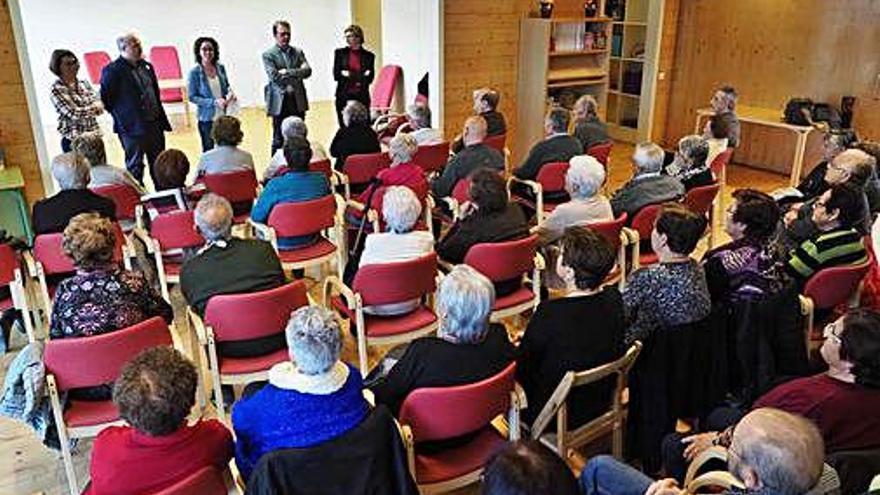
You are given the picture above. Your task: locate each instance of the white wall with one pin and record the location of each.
(242, 28)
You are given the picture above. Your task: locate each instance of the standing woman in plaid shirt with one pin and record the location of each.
(76, 102)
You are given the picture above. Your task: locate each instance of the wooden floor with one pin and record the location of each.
(26, 467)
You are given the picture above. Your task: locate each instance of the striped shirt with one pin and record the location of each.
(834, 248)
(75, 106)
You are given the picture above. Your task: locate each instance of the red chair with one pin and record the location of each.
(236, 317)
(441, 413)
(125, 197)
(460, 195)
(432, 157)
(88, 362)
(206, 481)
(376, 223)
(503, 261)
(172, 86)
(701, 200)
(613, 232)
(240, 188)
(382, 284)
(384, 88)
(169, 235)
(11, 278)
(359, 170)
(601, 152)
(719, 165)
(498, 142)
(95, 63)
(640, 230)
(318, 216)
(550, 179)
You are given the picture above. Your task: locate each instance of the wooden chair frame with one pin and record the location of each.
(538, 191)
(498, 315)
(22, 301)
(808, 311)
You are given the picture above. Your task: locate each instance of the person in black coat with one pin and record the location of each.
(353, 70)
(71, 171)
(355, 136)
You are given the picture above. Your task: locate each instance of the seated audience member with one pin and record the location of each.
(467, 347)
(723, 105)
(557, 145)
(170, 172)
(226, 155)
(356, 137)
(400, 210)
(717, 138)
(473, 156)
(488, 217)
(157, 448)
(772, 452)
(672, 292)
(834, 143)
(647, 186)
(558, 338)
(291, 127)
(419, 119)
(402, 171)
(872, 188)
(527, 467)
(101, 297)
(71, 171)
(588, 129)
(486, 106)
(91, 146)
(690, 165)
(296, 185)
(226, 265)
(743, 268)
(835, 215)
(583, 182)
(309, 400)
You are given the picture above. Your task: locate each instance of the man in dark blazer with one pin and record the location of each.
(130, 92)
(353, 71)
(286, 68)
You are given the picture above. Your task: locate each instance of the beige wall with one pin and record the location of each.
(368, 15)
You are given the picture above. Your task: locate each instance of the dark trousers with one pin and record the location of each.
(149, 144)
(65, 145)
(288, 108)
(205, 133)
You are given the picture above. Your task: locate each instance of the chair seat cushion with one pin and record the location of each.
(385, 326)
(321, 248)
(90, 413)
(648, 258)
(520, 296)
(238, 366)
(5, 304)
(454, 462)
(172, 268)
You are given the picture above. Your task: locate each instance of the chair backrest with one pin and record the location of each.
(601, 151)
(206, 481)
(551, 176)
(48, 251)
(167, 65)
(385, 283)
(256, 314)
(610, 230)
(324, 166)
(384, 86)
(462, 190)
(721, 161)
(432, 157)
(95, 63)
(89, 361)
(125, 197)
(437, 413)
(8, 264)
(236, 186)
(303, 217)
(643, 220)
(362, 168)
(176, 230)
(496, 142)
(699, 199)
(500, 261)
(834, 285)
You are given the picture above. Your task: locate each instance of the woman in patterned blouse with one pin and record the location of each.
(101, 297)
(76, 102)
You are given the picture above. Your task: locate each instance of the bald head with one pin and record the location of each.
(213, 217)
(777, 450)
(474, 130)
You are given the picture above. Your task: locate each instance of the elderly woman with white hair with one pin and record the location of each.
(356, 136)
(402, 172)
(583, 182)
(689, 165)
(292, 127)
(418, 117)
(588, 129)
(467, 347)
(71, 171)
(309, 400)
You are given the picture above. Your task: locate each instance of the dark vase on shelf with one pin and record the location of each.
(546, 10)
(590, 8)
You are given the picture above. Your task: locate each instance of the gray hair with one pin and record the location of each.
(400, 209)
(558, 118)
(91, 145)
(584, 177)
(420, 115)
(402, 149)
(313, 339)
(464, 303)
(648, 157)
(213, 217)
(585, 106)
(695, 148)
(123, 40)
(294, 126)
(71, 170)
(355, 112)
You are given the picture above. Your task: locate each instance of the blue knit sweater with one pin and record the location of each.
(291, 187)
(276, 418)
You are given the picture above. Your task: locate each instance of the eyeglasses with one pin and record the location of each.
(823, 204)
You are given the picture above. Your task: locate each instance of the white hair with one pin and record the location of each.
(71, 170)
(584, 177)
(464, 302)
(400, 209)
(123, 40)
(648, 157)
(313, 339)
(294, 126)
(402, 149)
(213, 217)
(420, 115)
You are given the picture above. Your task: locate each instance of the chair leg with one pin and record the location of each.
(617, 440)
(215, 377)
(57, 412)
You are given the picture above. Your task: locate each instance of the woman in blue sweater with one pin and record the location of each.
(208, 87)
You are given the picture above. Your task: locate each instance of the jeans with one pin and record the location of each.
(205, 134)
(288, 108)
(605, 475)
(65, 145)
(149, 144)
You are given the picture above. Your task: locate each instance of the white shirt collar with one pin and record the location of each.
(220, 243)
(285, 376)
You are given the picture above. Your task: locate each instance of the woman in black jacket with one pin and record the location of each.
(353, 70)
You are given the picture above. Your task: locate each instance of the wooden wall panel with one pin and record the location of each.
(665, 66)
(16, 134)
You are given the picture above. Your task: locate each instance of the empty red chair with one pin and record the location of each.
(361, 169)
(237, 317)
(12, 279)
(88, 362)
(612, 231)
(240, 188)
(639, 232)
(167, 66)
(382, 284)
(498, 142)
(384, 88)
(601, 152)
(550, 181)
(441, 413)
(125, 197)
(829, 288)
(206, 481)
(170, 234)
(432, 157)
(719, 164)
(505, 261)
(95, 63)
